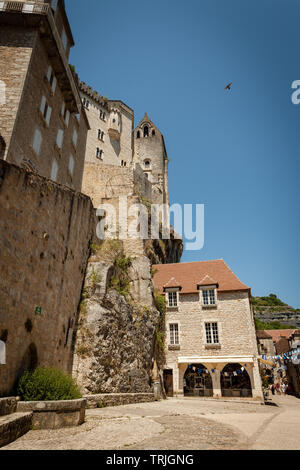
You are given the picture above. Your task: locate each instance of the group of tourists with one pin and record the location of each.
(281, 388)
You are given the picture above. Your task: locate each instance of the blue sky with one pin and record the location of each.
(236, 152)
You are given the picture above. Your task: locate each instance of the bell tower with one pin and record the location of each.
(151, 155)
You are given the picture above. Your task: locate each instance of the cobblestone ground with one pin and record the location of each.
(176, 424)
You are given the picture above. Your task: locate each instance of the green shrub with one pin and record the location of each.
(160, 302)
(47, 383)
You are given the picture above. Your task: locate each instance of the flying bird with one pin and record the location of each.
(228, 87)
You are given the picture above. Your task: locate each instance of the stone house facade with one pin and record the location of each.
(43, 124)
(265, 343)
(210, 344)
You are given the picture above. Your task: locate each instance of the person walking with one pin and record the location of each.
(278, 388)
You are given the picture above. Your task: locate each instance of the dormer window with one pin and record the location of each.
(146, 131)
(208, 297)
(172, 298)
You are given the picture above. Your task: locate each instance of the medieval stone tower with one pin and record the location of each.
(150, 153)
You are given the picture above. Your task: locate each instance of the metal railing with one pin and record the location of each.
(25, 7)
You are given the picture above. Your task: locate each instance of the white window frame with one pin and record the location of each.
(208, 289)
(212, 333)
(46, 110)
(60, 138)
(64, 39)
(75, 138)
(172, 296)
(174, 334)
(65, 113)
(37, 141)
(2, 353)
(71, 165)
(54, 170)
(51, 79)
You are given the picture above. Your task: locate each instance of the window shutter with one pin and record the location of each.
(71, 164)
(64, 39)
(43, 105)
(67, 118)
(59, 139)
(75, 137)
(37, 141)
(54, 84)
(49, 73)
(48, 116)
(54, 170)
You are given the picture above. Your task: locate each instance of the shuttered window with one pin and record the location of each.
(37, 141)
(60, 138)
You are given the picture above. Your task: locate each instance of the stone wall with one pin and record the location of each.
(16, 46)
(29, 119)
(45, 232)
(116, 399)
(115, 151)
(107, 181)
(235, 324)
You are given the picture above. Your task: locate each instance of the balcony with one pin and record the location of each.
(25, 7)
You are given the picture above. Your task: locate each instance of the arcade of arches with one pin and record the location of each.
(213, 380)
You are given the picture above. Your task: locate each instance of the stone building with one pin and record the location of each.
(293, 367)
(211, 347)
(45, 235)
(43, 126)
(111, 126)
(150, 153)
(119, 157)
(265, 343)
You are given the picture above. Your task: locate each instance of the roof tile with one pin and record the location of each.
(187, 275)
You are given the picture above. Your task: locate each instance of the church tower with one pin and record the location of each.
(150, 153)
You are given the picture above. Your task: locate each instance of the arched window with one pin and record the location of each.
(147, 163)
(146, 131)
(138, 135)
(147, 176)
(153, 132)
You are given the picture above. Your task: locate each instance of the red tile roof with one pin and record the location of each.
(189, 276)
(278, 334)
(263, 334)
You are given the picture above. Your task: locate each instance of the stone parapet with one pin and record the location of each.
(116, 399)
(55, 414)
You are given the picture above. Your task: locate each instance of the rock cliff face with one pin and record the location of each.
(117, 342)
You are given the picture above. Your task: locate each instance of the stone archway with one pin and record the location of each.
(235, 381)
(197, 381)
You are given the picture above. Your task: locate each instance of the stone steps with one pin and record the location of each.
(13, 426)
